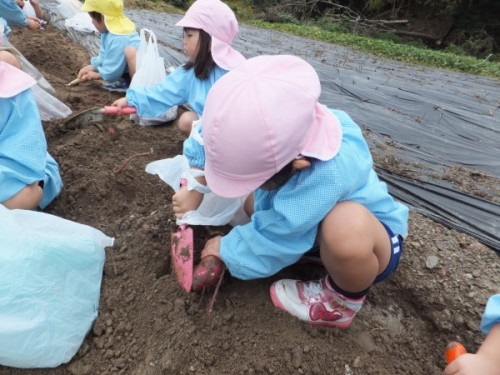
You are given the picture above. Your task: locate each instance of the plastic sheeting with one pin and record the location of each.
(427, 118)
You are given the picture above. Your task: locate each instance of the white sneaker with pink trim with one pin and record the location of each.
(315, 302)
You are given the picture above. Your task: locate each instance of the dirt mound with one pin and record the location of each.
(148, 325)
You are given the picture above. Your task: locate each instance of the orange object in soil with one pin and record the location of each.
(453, 351)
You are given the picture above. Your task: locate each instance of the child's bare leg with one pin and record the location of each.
(27, 199)
(354, 246)
(9, 58)
(248, 205)
(186, 122)
(130, 56)
(38, 9)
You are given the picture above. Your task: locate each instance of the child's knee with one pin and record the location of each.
(348, 231)
(9, 58)
(27, 199)
(186, 122)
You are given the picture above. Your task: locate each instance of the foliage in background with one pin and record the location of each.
(390, 49)
(386, 44)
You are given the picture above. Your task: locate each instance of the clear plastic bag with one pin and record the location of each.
(50, 280)
(214, 210)
(150, 69)
(49, 106)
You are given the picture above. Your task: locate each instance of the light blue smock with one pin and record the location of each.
(491, 314)
(179, 87)
(111, 62)
(285, 222)
(24, 159)
(6, 29)
(12, 13)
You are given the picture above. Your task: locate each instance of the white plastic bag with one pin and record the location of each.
(50, 279)
(80, 22)
(150, 69)
(28, 9)
(214, 210)
(69, 8)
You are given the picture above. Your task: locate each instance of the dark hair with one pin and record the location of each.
(96, 16)
(204, 63)
(279, 178)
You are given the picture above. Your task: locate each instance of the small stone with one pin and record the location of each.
(431, 261)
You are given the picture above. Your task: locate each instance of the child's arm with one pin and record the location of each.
(487, 359)
(15, 16)
(37, 7)
(485, 362)
(153, 101)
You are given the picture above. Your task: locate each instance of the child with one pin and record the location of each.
(37, 8)
(29, 176)
(309, 177)
(117, 34)
(10, 11)
(209, 29)
(486, 361)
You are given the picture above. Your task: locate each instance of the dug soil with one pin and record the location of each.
(148, 325)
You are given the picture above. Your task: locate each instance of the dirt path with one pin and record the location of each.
(147, 325)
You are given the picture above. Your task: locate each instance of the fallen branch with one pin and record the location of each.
(120, 168)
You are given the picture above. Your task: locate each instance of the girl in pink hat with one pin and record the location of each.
(209, 29)
(311, 187)
(29, 176)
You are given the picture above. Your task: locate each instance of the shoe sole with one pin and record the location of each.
(279, 305)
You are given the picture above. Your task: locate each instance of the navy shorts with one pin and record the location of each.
(396, 251)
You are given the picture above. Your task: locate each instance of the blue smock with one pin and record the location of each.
(286, 220)
(111, 62)
(6, 29)
(24, 159)
(179, 87)
(491, 314)
(12, 13)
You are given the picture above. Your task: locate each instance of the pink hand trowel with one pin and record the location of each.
(182, 253)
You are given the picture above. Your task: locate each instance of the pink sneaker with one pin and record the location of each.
(315, 302)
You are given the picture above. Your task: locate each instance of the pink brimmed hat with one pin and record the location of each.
(261, 116)
(13, 80)
(218, 20)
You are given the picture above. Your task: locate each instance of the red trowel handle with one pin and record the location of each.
(453, 351)
(111, 110)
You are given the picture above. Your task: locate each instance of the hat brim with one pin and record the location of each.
(13, 80)
(119, 25)
(189, 22)
(325, 135)
(228, 187)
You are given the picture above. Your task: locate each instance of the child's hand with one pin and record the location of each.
(120, 103)
(84, 70)
(185, 200)
(472, 364)
(34, 23)
(90, 76)
(212, 248)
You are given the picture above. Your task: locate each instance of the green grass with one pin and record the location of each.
(389, 49)
(380, 47)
